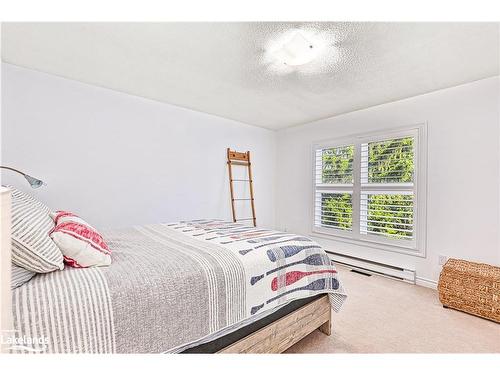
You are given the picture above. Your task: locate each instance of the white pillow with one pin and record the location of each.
(32, 248)
(81, 245)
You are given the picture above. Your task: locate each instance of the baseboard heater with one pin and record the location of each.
(369, 266)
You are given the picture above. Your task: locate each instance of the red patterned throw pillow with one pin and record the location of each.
(81, 245)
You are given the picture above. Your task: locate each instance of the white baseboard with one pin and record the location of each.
(422, 281)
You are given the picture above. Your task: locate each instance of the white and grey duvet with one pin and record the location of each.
(171, 286)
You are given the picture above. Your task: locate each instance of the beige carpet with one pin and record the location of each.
(386, 316)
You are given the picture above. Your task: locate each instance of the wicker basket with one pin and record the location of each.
(471, 287)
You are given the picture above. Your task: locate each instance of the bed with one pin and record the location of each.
(191, 286)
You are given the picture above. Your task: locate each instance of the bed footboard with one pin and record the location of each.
(283, 333)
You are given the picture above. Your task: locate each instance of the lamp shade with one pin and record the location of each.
(34, 182)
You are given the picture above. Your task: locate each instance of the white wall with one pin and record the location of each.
(119, 160)
(463, 172)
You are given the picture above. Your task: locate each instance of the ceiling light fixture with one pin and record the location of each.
(297, 49)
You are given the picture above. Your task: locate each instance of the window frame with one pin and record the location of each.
(416, 246)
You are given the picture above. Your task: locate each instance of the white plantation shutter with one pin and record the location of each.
(366, 189)
(390, 151)
(335, 165)
(334, 182)
(338, 215)
(388, 166)
(387, 213)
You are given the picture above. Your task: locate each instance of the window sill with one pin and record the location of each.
(416, 252)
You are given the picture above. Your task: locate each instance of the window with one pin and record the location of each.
(371, 188)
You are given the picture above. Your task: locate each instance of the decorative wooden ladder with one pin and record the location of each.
(242, 159)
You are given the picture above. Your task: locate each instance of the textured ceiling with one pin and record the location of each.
(226, 68)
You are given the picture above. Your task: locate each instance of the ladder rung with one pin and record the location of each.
(242, 199)
(238, 162)
(250, 218)
(241, 180)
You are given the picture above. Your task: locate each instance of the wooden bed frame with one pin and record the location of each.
(276, 337)
(290, 329)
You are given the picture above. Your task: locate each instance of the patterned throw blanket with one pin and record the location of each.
(170, 287)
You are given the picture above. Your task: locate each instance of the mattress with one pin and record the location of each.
(171, 287)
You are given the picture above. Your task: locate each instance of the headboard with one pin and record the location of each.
(5, 266)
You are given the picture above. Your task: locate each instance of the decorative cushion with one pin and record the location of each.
(20, 276)
(32, 247)
(81, 245)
